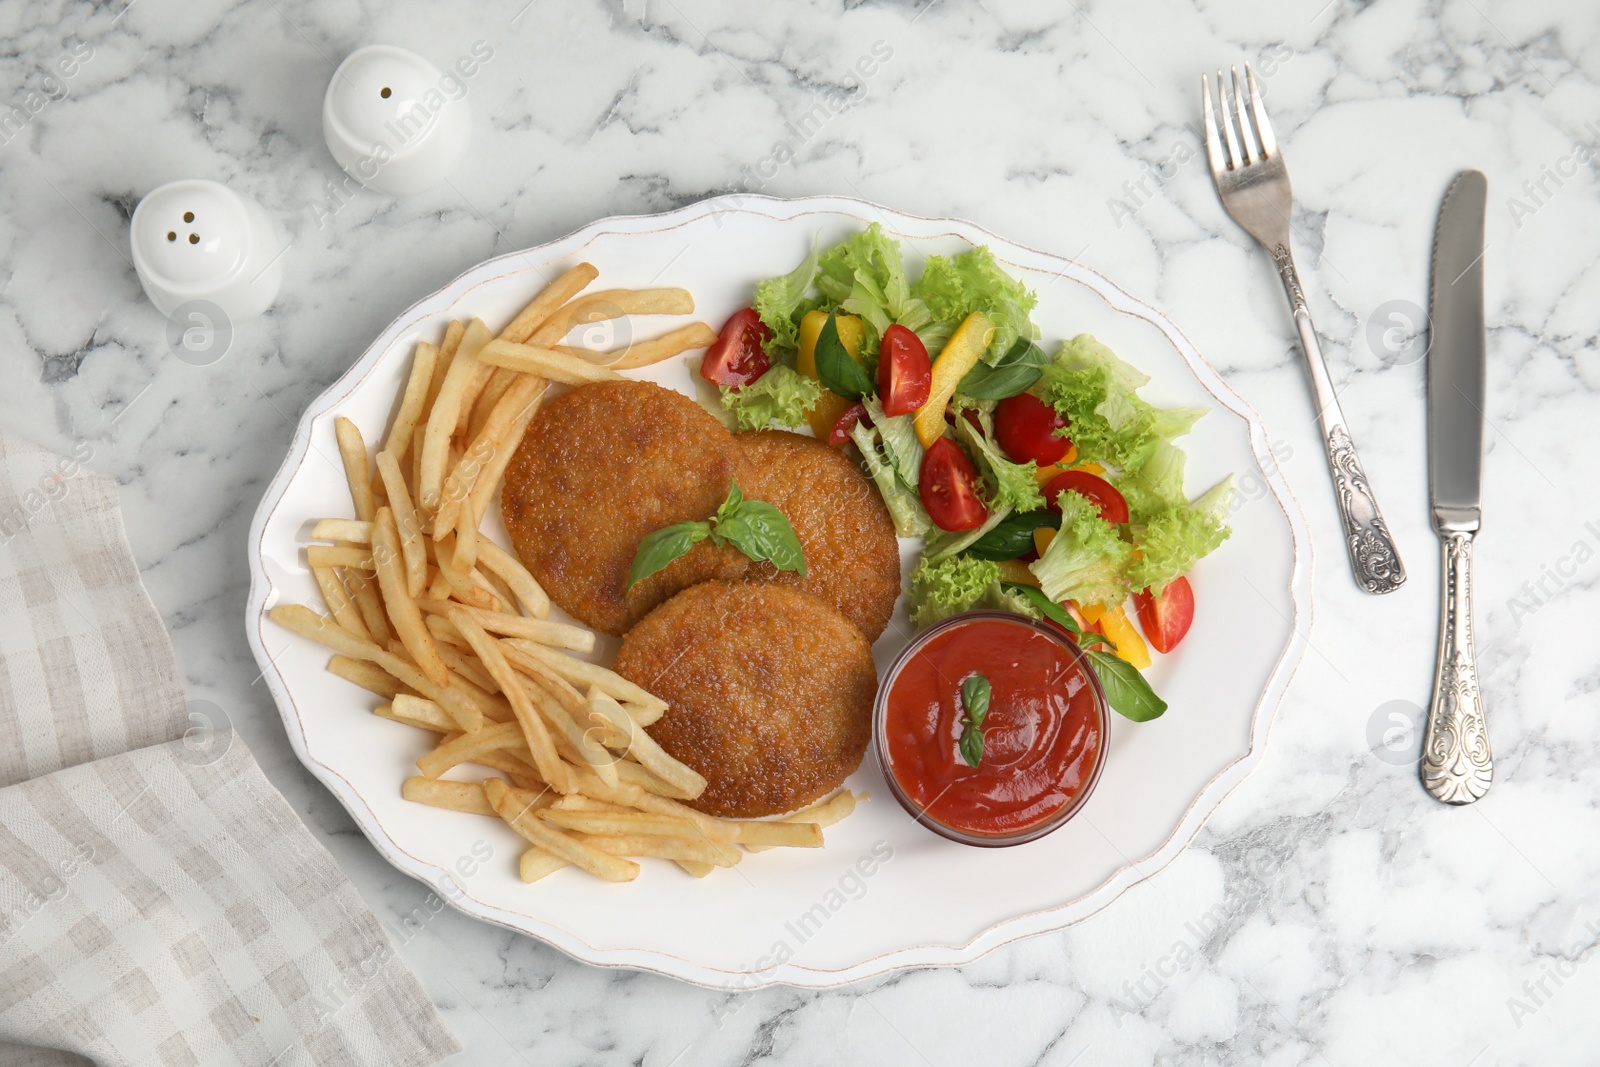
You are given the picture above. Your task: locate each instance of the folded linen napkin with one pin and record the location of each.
(160, 904)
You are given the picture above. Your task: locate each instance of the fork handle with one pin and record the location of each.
(1373, 558)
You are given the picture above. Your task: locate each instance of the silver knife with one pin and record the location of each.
(1457, 766)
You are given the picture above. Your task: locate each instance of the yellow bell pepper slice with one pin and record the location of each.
(826, 411)
(1120, 631)
(1042, 536)
(1042, 475)
(1017, 572)
(960, 355)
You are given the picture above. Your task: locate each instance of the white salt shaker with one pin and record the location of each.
(391, 124)
(198, 240)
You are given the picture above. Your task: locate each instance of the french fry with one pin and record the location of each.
(541, 307)
(584, 748)
(516, 768)
(488, 481)
(353, 451)
(537, 631)
(623, 823)
(492, 583)
(462, 663)
(823, 813)
(337, 597)
(466, 376)
(401, 605)
(611, 304)
(503, 565)
(524, 392)
(696, 868)
(420, 712)
(351, 556)
(458, 580)
(545, 363)
(368, 676)
(592, 675)
(352, 530)
(418, 383)
(536, 863)
(528, 719)
(553, 841)
(448, 347)
(670, 848)
(406, 521)
(363, 587)
(465, 557)
(493, 390)
(454, 796)
(645, 353)
(789, 834)
(684, 780)
(633, 774)
(467, 747)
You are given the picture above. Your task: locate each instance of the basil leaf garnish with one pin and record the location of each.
(662, 547)
(1013, 373)
(1126, 690)
(972, 747)
(837, 372)
(760, 531)
(1012, 536)
(975, 708)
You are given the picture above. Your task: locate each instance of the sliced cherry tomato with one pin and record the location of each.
(840, 434)
(1104, 495)
(905, 374)
(948, 485)
(1026, 428)
(739, 355)
(1166, 618)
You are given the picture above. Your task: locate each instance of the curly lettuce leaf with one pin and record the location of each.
(898, 436)
(782, 396)
(865, 275)
(1173, 541)
(943, 543)
(1156, 486)
(905, 507)
(945, 587)
(778, 301)
(1087, 561)
(955, 287)
(1097, 394)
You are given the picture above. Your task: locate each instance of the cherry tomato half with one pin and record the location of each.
(1166, 618)
(840, 434)
(905, 374)
(948, 485)
(1026, 428)
(739, 355)
(1104, 495)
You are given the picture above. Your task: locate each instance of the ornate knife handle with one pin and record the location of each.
(1373, 558)
(1457, 766)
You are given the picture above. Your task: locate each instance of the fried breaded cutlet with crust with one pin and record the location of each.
(601, 467)
(769, 693)
(845, 531)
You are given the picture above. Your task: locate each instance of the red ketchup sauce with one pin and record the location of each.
(1042, 736)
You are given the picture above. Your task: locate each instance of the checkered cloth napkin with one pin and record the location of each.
(160, 904)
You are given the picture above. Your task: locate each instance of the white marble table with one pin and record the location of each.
(1330, 912)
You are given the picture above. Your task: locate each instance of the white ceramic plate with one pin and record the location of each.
(884, 893)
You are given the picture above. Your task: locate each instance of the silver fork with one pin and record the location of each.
(1254, 186)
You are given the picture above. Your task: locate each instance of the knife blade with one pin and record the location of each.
(1457, 766)
(1456, 356)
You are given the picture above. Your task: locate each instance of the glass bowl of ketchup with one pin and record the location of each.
(1044, 733)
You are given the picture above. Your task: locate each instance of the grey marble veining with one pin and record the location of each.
(1330, 912)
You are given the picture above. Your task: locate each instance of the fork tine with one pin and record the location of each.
(1213, 146)
(1235, 160)
(1252, 154)
(1269, 143)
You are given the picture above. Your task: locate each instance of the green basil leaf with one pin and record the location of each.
(835, 369)
(1024, 353)
(662, 547)
(1047, 607)
(760, 531)
(975, 699)
(972, 746)
(1126, 690)
(984, 382)
(1012, 536)
(731, 504)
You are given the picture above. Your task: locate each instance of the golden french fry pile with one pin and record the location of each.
(452, 631)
